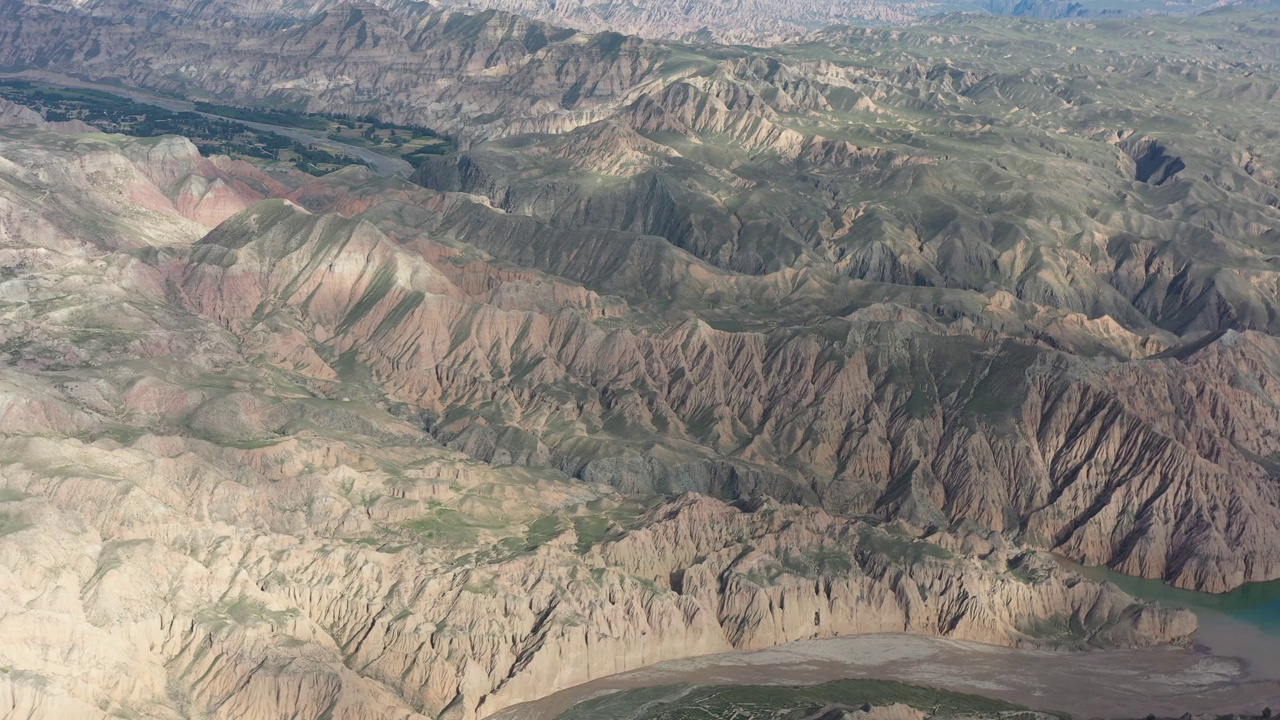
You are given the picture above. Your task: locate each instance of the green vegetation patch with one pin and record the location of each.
(11, 523)
(538, 533)
(900, 547)
(821, 562)
(608, 524)
(543, 530)
(273, 116)
(11, 495)
(448, 527)
(244, 612)
(591, 530)
(1062, 631)
(414, 143)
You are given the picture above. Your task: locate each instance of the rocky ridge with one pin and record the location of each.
(874, 407)
(760, 23)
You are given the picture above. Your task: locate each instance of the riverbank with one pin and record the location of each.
(1226, 671)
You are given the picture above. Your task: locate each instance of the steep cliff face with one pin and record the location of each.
(312, 604)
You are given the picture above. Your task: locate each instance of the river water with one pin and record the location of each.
(1243, 624)
(1256, 604)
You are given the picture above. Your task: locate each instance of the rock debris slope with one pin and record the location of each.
(220, 498)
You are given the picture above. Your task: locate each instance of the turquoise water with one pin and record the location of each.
(1256, 603)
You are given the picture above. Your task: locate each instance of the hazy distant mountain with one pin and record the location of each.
(763, 21)
(1050, 9)
(723, 20)
(730, 21)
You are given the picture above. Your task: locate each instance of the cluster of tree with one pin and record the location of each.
(414, 130)
(315, 121)
(266, 116)
(420, 156)
(61, 104)
(371, 127)
(311, 158)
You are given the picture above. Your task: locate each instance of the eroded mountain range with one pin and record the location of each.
(924, 302)
(1037, 293)
(202, 514)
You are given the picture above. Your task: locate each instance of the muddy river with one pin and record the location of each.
(1234, 665)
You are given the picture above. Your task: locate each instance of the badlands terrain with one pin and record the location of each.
(686, 349)
(202, 515)
(940, 274)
